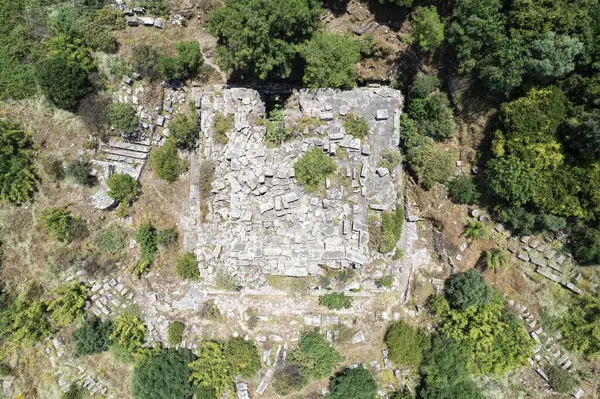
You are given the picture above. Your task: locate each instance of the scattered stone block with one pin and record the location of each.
(159, 23)
(358, 337)
(381, 114)
(382, 172)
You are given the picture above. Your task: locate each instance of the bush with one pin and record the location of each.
(145, 60)
(404, 343)
(355, 383)
(429, 29)
(165, 162)
(385, 281)
(519, 220)
(225, 281)
(242, 356)
(560, 379)
(165, 375)
(111, 240)
(313, 168)
(385, 235)
(330, 61)
(335, 301)
(53, 167)
(467, 289)
(552, 222)
(92, 337)
(68, 303)
(167, 237)
(276, 130)
(175, 332)
(122, 187)
(211, 369)
(63, 82)
(185, 131)
(187, 266)
(356, 126)
(190, 57)
(390, 159)
(223, 123)
(314, 356)
(80, 171)
(61, 225)
(288, 379)
(475, 230)
(462, 190)
(433, 116)
(210, 311)
(122, 117)
(17, 173)
(496, 258)
(169, 67)
(586, 245)
(146, 238)
(423, 85)
(128, 332)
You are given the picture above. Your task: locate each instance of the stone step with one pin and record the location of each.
(139, 147)
(120, 158)
(124, 153)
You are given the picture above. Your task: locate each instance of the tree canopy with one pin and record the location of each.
(467, 289)
(17, 173)
(165, 375)
(355, 383)
(260, 37)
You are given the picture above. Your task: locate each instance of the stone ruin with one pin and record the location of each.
(258, 219)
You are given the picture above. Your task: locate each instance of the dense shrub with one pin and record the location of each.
(355, 383)
(185, 131)
(146, 238)
(462, 190)
(288, 379)
(386, 234)
(67, 303)
(579, 325)
(211, 369)
(314, 356)
(404, 344)
(423, 85)
(335, 301)
(122, 187)
(164, 375)
(356, 126)
(187, 266)
(80, 171)
(433, 116)
(63, 82)
(330, 61)
(92, 337)
(165, 162)
(190, 57)
(17, 173)
(111, 240)
(560, 379)
(210, 311)
(429, 29)
(145, 60)
(467, 289)
(242, 356)
(390, 159)
(586, 245)
(475, 230)
(312, 168)
(122, 117)
(496, 259)
(175, 332)
(61, 225)
(277, 27)
(128, 332)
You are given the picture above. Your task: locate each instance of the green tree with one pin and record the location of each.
(166, 163)
(211, 369)
(313, 168)
(467, 289)
(462, 190)
(580, 325)
(187, 266)
(404, 344)
(128, 332)
(335, 301)
(122, 187)
(433, 116)
(122, 117)
(67, 303)
(175, 332)
(429, 29)
(169, 67)
(185, 131)
(63, 82)
(17, 173)
(80, 171)
(92, 337)
(190, 57)
(330, 61)
(242, 356)
(260, 37)
(586, 245)
(61, 225)
(423, 85)
(164, 375)
(356, 383)
(314, 356)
